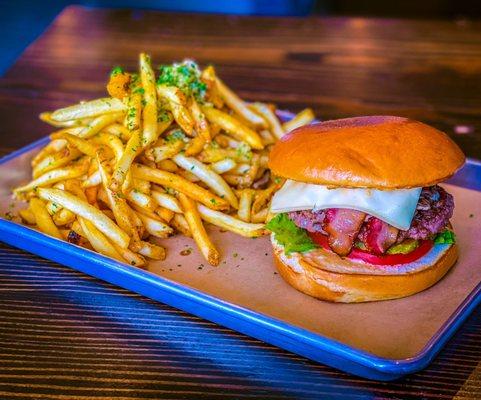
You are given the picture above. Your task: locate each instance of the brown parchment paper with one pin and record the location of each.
(246, 276)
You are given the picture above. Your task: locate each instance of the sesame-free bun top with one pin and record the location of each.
(381, 152)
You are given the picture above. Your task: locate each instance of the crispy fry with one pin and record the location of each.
(305, 117)
(224, 165)
(198, 231)
(63, 217)
(180, 224)
(213, 95)
(270, 117)
(28, 216)
(87, 211)
(230, 223)
(54, 176)
(81, 144)
(118, 85)
(178, 105)
(233, 127)
(111, 141)
(149, 113)
(98, 241)
(165, 149)
(132, 149)
(47, 117)
(134, 105)
(245, 203)
(155, 227)
(93, 108)
(208, 176)
(55, 161)
(263, 196)
(52, 147)
(164, 213)
(141, 199)
(168, 165)
(195, 146)
(43, 218)
(130, 257)
(182, 185)
(152, 251)
(261, 216)
(166, 200)
(200, 122)
(118, 130)
(235, 103)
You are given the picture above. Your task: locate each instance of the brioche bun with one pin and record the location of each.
(326, 276)
(380, 152)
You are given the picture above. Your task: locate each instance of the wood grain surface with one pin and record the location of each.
(64, 335)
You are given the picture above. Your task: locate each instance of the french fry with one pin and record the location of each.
(55, 160)
(164, 213)
(178, 106)
(93, 108)
(213, 95)
(165, 150)
(224, 165)
(43, 218)
(227, 222)
(87, 211)
(92, 180)
(233, 127)
(272, 121)
(52, 147)
(141, 199)
(149, 113)
(235, 103)
(132, 149)
(167, 201)
(212, 154)
(112, 142)
(263, 196)
(182, 185)
(141, 185)
(198, 231)
(195, 146)
(98, 124)
(63, 217)
(155, 227)
(51, 177)
(168, 165)
(91, 194)
(130, 257)
(261, 216)
(210, 178)
(152, 251)
(180, 224)
(118, 204)
(245, 203)
(200, 122)
(81, 144)
(118, 130)
(267, 137)
(98, 241)
(47, 117)
(134, 105)
(305, 117)
(28, 216)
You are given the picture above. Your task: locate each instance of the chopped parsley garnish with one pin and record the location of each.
(139, 90)
(174, 136)
(116, 71)
(289, 235)
(445, 237)
(185, 76)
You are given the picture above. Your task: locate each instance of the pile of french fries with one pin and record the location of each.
(155, 158)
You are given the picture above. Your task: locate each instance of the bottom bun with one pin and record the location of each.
(313, 276)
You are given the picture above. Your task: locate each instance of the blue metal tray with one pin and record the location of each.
(250, 322)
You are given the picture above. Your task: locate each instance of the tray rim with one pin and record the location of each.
(381, 368)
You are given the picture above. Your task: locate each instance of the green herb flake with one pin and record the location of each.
(185, 76)
(174, 136)
(445, 237)
(213, 201)
(289, 235)
(139, 90)
(116, 71)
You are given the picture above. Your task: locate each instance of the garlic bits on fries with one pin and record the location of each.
(166, 152)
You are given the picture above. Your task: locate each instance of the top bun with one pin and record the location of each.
(380, 152)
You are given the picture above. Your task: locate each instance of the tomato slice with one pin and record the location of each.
(385, 259)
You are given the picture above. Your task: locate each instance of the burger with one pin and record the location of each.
(360, 215)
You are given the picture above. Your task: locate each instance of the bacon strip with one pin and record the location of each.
(342, 225)
(378, 235)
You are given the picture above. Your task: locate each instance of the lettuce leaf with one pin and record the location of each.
(445, 237)
(289, 235)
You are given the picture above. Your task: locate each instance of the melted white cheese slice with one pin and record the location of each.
(396, 207)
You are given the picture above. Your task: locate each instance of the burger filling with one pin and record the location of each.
(345, 229)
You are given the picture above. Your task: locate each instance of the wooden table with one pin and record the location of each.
(64, 335)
